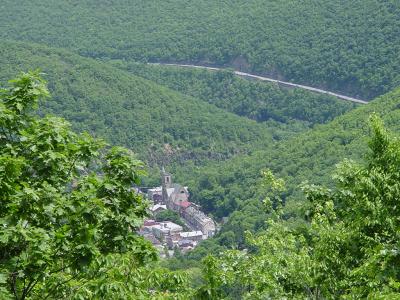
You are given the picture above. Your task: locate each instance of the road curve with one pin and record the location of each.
(243, 74)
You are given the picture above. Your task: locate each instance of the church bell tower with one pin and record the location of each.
(166, 182)
(166, 179)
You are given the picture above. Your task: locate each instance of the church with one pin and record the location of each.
(176, 198)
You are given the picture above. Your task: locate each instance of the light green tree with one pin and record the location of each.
(68, 210)
(349, 250)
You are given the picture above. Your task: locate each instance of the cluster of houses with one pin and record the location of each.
(168, 236)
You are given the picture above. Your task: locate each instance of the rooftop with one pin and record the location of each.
(156, 189)
(152, 239)
(183, 204)
(168, 226)
(185, 243)
(157, 206)
(190, 234)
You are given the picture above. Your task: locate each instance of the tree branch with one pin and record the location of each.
(59, 284)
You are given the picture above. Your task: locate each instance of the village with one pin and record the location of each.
(167, 236)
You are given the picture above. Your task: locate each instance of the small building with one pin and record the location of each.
(163, 229)
(148, 227)
(192, 235)
(152, 239)
(180, 206)
(186, 245)
(172, 240)
(150, 222)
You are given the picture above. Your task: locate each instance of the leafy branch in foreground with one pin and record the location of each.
(349, 250)
(68, 210)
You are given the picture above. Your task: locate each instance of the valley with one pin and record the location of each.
(280, 119)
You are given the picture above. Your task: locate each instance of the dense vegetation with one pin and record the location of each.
(68, 212)
(228, 189)
(158, 123)
(348, 250)
(256, 100)
(161, 125)
(350, 46)
(223, 189)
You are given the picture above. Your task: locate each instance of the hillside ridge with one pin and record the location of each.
(269, 79)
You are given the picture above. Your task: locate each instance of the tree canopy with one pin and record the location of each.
(69, 211)
(349, 249)
(158, 123)
(260, 101)
(349, 46)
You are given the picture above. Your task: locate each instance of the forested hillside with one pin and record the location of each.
(165, 126)
(155, 121)
(346, 248)
(260, 101)
(229, 188)
(69, 213)
(348, 46)
(268, 163)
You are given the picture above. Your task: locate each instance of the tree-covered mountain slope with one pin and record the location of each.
(234, 189)
(348, 46)
(260, 101)
(347, 249)
(155, 121)
(310, 156)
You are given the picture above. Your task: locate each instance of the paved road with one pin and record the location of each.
(285, 83)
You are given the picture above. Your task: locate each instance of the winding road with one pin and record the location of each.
(285, 83)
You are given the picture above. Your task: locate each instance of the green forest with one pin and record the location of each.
(131, 111)
(303, 186)
(325, 43)
(66, 231)
(311, 156)
(258, 101)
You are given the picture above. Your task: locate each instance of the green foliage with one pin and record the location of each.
(161, 125)
(121, 277)
(350, 250)
(351, 46)
(218, 154)
(260, 101)
(68, 209)
(230, 186)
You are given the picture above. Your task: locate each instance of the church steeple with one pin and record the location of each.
(166, 182)
(166, 179)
